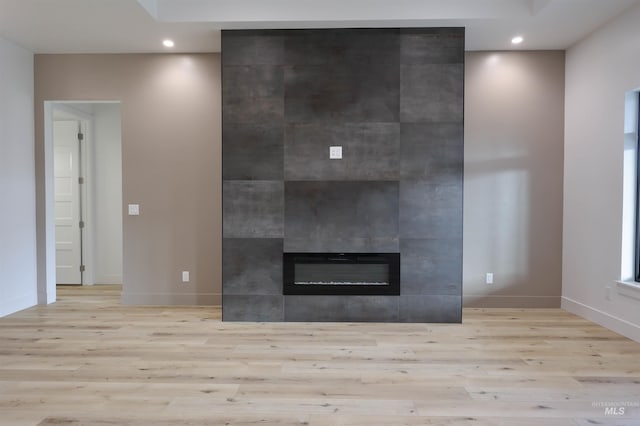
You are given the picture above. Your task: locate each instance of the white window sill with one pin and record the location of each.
(629, 289)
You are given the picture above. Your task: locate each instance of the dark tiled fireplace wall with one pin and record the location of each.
(393, 99)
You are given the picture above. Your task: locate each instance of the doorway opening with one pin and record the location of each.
(85, 187)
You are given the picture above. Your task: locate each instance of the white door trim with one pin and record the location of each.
(47, 242)
(47, 277)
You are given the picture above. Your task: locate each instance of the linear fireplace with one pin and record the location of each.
(341, 273)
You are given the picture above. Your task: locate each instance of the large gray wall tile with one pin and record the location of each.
(357, 47)
(342, 245)
(253, 81)
(253, 93)
(244, 143)
(432, 152)
(370, 151)
(252, 48)
(435, 309)
(342, 92)
(431, 266)
(341, 209)
(252, 209)
(252, 266)
(252, 308)
(430, 211)
(341, 308)
(434, 46)
(432, 93)
(253, 110)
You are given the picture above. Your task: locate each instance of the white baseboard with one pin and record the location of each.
(11, 306)
(496, 301)
(604, 319)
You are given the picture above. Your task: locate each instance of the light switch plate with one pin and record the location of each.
(134, 209)
(335, 153)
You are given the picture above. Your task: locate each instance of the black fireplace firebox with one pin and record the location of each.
(341, 273)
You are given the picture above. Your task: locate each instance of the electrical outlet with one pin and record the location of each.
(185, 276)
(607, 293)
(489, 278)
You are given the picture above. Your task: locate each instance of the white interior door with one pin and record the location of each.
(67, 202)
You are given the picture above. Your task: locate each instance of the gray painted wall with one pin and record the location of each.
(107, 190)
(170, 164)
(514, 130)
(514, 111)
(393, 99)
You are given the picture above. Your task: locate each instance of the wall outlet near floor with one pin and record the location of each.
(607, 292)
(489, 278)
(185, 276)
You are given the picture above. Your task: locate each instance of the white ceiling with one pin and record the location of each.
(124, 26)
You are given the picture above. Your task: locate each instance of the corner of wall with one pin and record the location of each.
(18, 283)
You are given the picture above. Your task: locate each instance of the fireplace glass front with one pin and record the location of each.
(341, 273)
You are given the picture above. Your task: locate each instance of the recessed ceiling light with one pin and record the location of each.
(517, 40)
(168, 43)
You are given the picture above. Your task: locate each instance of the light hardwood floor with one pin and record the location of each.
(86, 360)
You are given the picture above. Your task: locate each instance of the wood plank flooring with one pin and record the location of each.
(86, 360)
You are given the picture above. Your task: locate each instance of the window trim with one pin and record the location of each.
(637, 203)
